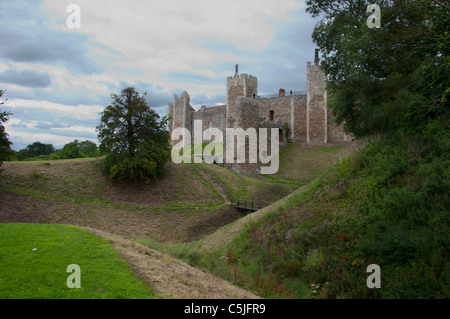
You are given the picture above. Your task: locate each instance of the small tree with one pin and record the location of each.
(89, 148)
(34, 150)
(72, 150)
(5, 144)
(133, 138)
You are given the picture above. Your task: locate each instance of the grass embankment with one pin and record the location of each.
(182, 209)
(34, 260)
(187, 204)
(84, 181)
(385, 205)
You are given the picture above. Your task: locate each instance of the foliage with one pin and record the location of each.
(133, 137)
(387, 78)
(72, 150)
(89, 148)
(75, 149)
(5, 144)
(386, 205)
(35, 149)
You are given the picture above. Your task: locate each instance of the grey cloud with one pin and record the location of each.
(26, 78)
(26, 37)
(18, 125)
(44, 125)
(203, 99)
(47, 46)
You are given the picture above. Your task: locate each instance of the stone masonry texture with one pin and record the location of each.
(305, 116)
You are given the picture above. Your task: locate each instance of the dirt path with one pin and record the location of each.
(218, 187)
(169, 277)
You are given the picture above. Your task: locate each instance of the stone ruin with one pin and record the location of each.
(299, 117)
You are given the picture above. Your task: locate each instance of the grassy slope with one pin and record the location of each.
(386, 205)
(184, 206)
(82, 179)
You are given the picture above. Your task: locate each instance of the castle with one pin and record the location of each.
(299, 117)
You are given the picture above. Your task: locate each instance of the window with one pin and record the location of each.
(271, 115)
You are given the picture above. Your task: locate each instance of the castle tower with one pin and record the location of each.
(243, 85)
(316, 104)
(181, 112)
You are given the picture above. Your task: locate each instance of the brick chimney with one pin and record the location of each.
(281, 93)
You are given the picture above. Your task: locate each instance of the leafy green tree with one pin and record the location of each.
(89, 148)
(133, 137)
(5, 144)
(34, 150)
(383, 79)
(72, 150)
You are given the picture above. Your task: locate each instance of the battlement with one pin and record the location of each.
(304, 112)
(242, 80)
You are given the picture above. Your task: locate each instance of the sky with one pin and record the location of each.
(59, 79)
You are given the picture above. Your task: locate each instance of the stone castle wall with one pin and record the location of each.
(243, 85)
(307, 116)
(316, 105)
(182, 113)
(212, 117)
(289, 109)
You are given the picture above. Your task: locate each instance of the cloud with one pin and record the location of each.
(27, 37)
(73, 111)
(23, 138)
(156, 38)
(60, 79)
(58, 132)
(49, 125)
(26, 78)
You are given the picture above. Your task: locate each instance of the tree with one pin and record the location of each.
(384, 79)
(89, 148)
(34, 150)
(72, 150)
(133, 137)
(5, 144)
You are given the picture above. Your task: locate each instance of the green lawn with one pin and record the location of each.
(34, 260)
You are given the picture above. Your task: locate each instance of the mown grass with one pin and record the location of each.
(169, 217)
(83, 180)
(300, 162)
(34, 260)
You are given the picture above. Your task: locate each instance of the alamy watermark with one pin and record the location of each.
(374, 280)
(374, 20)
(74, 280)
(257, 146)
(74, 19)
